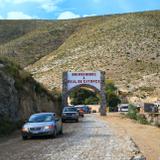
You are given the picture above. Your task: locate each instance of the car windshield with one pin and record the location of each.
(41, 118)
(70, 109)
(125, 107)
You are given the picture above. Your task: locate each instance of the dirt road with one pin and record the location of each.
(90, 139)
(146, 137)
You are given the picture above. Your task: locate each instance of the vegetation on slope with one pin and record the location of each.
(26, 43)
(20, 95)
(125, 46)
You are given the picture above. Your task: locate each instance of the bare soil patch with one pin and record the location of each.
(146, 137)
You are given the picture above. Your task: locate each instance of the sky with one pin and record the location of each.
(69, 9)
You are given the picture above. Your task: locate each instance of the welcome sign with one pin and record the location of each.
(89, 78)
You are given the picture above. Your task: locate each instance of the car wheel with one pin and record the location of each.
(77, 120)
(54, 134)
(61, 131)
(24, 137)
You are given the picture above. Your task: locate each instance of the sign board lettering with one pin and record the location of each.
(78, 78)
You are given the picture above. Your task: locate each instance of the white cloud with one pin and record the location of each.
(89, 15)
(68, 15)
(47, 5)
(18, 15)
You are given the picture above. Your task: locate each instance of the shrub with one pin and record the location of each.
(11, 66)
(14, 70)
(132, 112)
(142, 119)
(111, 96)
(84, 96)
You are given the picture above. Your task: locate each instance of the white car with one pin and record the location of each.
(123, 108)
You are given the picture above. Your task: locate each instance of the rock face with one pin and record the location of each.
(8, 97)
(18, 103)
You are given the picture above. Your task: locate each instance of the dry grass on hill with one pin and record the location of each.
(125, 46)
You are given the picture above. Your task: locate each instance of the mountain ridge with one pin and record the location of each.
(125, 46)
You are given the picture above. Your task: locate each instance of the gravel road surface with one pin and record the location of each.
(90, 139)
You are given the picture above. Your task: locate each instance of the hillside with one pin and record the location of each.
(21, 96)
(125, 46)
(28, 41)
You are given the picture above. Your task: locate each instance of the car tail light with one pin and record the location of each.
(81, 111)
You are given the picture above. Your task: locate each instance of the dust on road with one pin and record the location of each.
(90, 139)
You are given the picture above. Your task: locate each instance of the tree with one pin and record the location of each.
(113, 101)
(111, 96)
(84, 96)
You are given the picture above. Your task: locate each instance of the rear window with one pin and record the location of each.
(70, 109)
(125, 107)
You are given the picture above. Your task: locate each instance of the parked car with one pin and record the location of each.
(86, 109)
(42, 124)
(123, 108)
(70, 113)
(80, 111)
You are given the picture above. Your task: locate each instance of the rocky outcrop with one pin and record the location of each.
(8, 97)
(21, 96)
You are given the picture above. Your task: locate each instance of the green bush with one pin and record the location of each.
(132, 112)
(84, 96)
(111, 96)
(11, 66)
(142, 119)
(14, 70)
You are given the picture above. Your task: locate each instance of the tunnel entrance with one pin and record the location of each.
(90, 80)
